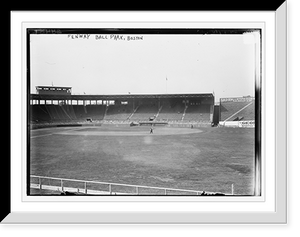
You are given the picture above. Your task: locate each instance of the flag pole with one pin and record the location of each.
(166, 85)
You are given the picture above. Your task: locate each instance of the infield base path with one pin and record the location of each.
(159, 131)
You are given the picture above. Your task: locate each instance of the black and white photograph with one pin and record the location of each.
(150, 118)
(144, 112)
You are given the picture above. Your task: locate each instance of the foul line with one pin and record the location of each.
(42, 135)
(238, 111)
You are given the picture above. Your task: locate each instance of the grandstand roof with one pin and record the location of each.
(62, 87)
(113, 97)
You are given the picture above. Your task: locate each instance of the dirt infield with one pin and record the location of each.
(136, 131)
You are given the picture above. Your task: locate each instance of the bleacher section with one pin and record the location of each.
(178, 113)
(247, 113)
(118, 112)
(237, 110)
(171, 112)
(197, 113)
(39, 113)
(56, 113)
(144, 112)
(80, 111)
(68, 109)
(169, 109)
(48, 113)
(95, 112)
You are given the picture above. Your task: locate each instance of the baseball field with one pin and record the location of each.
(208, 158)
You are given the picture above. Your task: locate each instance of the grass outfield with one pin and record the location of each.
(209, 159)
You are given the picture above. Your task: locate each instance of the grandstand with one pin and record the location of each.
(198, 112)
(238, 111)
(63, 107)
(171, 110)
(145, 109)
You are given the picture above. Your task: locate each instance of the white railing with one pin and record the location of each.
(111, 188)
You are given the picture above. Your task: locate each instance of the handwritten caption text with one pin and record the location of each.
(106, 37)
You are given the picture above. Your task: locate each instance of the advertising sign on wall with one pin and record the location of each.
(237, 99)
(247, 124)
(240, 124)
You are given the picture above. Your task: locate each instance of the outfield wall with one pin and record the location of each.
(238, 124)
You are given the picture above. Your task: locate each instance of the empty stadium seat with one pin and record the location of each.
(144, 112)
(118, 112)
(232, 110)
(173, 113)
(197, 113)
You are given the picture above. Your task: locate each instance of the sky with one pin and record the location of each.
(100, 64)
